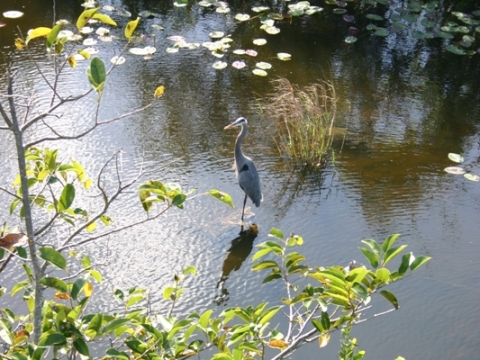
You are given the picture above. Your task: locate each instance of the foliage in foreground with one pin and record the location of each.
(303, 120)
(317, 302)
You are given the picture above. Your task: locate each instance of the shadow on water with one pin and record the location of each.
(239, 250)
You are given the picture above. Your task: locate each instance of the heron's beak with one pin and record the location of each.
(229, 126)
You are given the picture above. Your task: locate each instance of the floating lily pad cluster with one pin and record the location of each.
(457, 170)
(422, 20)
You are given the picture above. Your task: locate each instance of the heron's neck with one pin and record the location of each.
(238, 143)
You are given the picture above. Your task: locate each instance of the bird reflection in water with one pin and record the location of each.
(239, 250)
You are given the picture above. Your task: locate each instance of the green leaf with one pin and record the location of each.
(19, 286)
(371, 257)
(189, 270)
(267, 264)
(268, 315)
(391, 253)
(49, 339)
(137, 346)
(96, 74)
(54, 283)
(18, 356)
(261, 253)
(271, 277)
(373, 245)
(383, 274)
(111, 326)
(389, 241)
(77, 287)
(86, 263)
(318, 325)
(419, 261)
(168, 291)
(276, 233)
(117, 354)
(53, 257)
(81, 346)
(66, 198)
(203, 321)
(390, 297)
(406, 260)
(52, 36)
(222, 196)
(95, 323)
(156, 334)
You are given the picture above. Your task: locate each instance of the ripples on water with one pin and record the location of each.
(387, 177)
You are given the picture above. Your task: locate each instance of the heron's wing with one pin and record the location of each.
(250, 182)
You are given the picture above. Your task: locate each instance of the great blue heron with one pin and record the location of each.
(245, 169)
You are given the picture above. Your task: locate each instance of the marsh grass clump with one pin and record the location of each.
(303, 120)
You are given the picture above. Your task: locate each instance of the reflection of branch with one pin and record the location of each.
(93, 127)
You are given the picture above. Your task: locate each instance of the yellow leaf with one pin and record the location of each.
(84, 53)
(87, 183)
(19, 43)
(84, 17)
(88, 289)
(159, 91)
(130, 28)
(38, 32)
(72, 61)
(104, 19)
(279, 344)
(91, 227)
(61, 296)
(323, 340)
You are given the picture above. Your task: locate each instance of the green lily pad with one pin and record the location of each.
(259, 72)
(409, 17)
(455, 50)
(258, 9)
(456, 157)
(339, 11)
(275, 16)
(398, 25)
(263, 65)
(444, 35)
(371, 27)
(462, 29)
(471, 177)
(295, 12)
(219, 65)
(381, 32)
(427, 23)
(242, 17)
(468, 38)
(374, 17)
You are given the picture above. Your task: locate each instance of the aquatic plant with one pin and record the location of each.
(303, 119)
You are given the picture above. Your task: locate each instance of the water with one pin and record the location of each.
(405, 106)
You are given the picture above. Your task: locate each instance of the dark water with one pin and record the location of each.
(405, 104)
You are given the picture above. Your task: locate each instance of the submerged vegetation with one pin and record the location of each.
(303, 120)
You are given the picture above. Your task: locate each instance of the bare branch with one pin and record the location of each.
(80, 135)
(10, 193)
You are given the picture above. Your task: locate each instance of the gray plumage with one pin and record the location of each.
(245, 168)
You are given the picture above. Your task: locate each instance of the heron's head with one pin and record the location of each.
(239, 122)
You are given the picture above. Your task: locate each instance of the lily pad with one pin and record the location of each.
(313, 10)
(172, 49)
(147, 50)
(2, 24)
(455, 50)
(471, 177)
(349, 18)
(13, 14)
(455, 170)
(275, 16)
(123, 12)
(86, 30)
(223, 10)
(238, 64)
(216, 34)
(381, 32)
(108, 8)
(263, 65)
(259, 72)
(117, 60)
(102, 31)
(239, 52)
(272, 30)
(89, 42)
(157, 27)
(456, 157)
(258, 9)
(444, 35)
(350, 39)
(259, 42)
(219, 65)
(374, 17)
(250, 52)
(339, 11)
(284, 56)
(242, 17)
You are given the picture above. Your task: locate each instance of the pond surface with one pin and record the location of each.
(405, 104)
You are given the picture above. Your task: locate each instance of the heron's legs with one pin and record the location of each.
(244, 202)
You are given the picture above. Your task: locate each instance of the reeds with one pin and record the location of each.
(303, 120)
